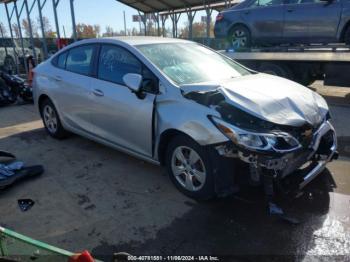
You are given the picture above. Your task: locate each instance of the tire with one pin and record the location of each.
(347, 36)
(239, 37)
(276, 69)
(195, 179)
(51, 120)
(9, 65)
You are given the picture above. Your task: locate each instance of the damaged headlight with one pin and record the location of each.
(280, 142)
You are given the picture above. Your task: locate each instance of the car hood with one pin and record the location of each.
(270, 98)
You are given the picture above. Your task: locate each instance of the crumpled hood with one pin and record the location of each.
(271, 98)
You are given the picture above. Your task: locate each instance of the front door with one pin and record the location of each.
(311, 21)
(120, 116)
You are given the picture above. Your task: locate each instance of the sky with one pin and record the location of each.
(101, 12)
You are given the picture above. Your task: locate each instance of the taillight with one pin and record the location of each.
(219, 17)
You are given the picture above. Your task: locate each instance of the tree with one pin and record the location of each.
(87, 31)
(97, 29)
(15, 30)
(199, 29)
(49, 33)
(3, 31)
(25, 25)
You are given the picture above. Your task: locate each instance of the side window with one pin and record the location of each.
(79, 59)
(267, 3)
(115, 62)
(150, 81)
(61, 60)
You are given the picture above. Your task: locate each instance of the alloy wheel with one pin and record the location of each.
(50, 119)
(188, 168)
(239, 38)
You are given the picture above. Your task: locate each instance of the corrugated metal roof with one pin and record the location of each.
(153, 6)
(6, 1)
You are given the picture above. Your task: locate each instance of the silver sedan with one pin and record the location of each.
(182, 105)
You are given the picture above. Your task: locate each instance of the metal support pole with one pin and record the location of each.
(73, 20)
(190, 15)
(124, 23)
(172, 17)
(21, 37)
(13, 41)
(158, 27)
(144, 21)
(176, 21)
(31, 32)
(40, 7)
(209, 12)
(54, 5)
(163, 18)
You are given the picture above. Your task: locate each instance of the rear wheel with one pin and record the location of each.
(51, 120)
(189, 168)
(239, 37)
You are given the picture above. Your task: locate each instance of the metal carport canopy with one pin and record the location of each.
(156, 6)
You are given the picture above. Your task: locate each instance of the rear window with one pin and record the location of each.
(79, 59)
(61, 60)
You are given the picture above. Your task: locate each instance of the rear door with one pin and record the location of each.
(265, 18)
(120, 116)
(311, 21)
(72, 82)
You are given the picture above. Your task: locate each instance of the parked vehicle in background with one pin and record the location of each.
(9, 58)
(261, 22)
(179, 104)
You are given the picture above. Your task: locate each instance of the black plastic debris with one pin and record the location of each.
(12, 171)
(25, 204)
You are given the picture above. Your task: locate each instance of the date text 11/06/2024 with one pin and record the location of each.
(173, 258)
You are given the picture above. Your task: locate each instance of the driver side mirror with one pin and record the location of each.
(134, 83)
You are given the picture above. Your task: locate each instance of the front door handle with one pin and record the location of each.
(290, 10)
(97, 92)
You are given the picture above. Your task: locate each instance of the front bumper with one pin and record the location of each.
(327, 150)
(301, 166)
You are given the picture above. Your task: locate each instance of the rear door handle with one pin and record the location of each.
(57, 78)
(290, 10)
(97, 92)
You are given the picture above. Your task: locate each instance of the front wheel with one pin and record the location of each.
(189, 168)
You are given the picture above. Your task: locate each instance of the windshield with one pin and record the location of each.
(188, 63)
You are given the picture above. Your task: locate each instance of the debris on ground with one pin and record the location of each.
(25, 204)
(12, 171)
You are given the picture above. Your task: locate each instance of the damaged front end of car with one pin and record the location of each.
(280, 155)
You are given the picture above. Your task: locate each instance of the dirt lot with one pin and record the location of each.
(93, 197)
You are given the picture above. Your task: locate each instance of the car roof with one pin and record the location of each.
(134, 40)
